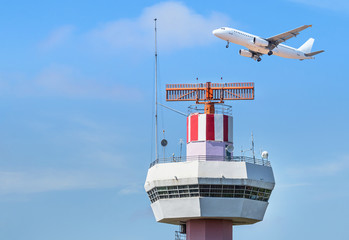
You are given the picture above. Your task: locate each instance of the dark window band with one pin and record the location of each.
(209, 190)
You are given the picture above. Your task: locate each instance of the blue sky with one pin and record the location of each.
(76, 94)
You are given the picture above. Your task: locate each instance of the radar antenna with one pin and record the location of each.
(156, 94)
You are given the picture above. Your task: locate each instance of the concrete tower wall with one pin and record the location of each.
(209, 135)
(239, 210)
(209, 127)
(225, 172)
(207, 229)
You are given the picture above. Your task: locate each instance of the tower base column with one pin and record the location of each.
(207, 229)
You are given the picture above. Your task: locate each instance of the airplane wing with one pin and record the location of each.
(276, 40)
(256, 55)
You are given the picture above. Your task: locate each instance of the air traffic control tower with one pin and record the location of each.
(210, 189)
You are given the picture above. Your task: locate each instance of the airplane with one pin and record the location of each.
(257, 46)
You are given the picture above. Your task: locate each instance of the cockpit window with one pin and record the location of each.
(223, 28)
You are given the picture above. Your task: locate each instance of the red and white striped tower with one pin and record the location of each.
(209, 135)
(210, 190)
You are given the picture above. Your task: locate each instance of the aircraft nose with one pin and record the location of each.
(219, 32)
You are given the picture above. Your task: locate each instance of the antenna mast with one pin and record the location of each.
(252, 148)
(156, 96)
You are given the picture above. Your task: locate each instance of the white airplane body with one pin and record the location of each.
(258, 46)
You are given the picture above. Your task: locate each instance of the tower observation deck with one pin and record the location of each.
(210, 189)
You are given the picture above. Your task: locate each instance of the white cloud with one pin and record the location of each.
(62, 81)
(323, 169)
(132, 189)
(331, 168)
(292, 185)
(178, 27)
(336, 5)
(57, 37)
(52, 180)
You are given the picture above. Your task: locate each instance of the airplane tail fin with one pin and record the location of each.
(306, 47)
(313, 53)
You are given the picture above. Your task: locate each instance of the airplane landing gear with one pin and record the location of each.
(227, 44)
(270, 53)
(259, 59)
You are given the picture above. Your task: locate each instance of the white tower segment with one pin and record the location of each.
(231, 190)
(209, 190)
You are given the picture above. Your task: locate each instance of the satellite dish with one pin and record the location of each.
(230, 148)
(164, 142)
(265, 155)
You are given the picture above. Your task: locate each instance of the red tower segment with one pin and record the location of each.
(210, 127)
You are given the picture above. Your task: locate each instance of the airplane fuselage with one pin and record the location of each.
(247, 40)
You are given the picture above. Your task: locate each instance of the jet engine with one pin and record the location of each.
(245, 53)
(260, 42)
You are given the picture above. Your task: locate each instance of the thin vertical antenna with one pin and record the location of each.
(163, 146)
(252, 148)
(180, 149)
(156, 96)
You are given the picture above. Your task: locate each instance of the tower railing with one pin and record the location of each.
(180, 236)
(220, 108)
(263, 162)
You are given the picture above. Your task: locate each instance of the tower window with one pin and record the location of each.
(209, 190)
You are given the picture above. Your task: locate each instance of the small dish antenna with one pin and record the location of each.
(230, 148)
(164, 142)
